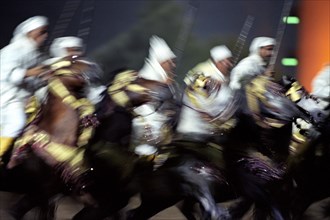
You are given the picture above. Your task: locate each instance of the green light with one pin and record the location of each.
(289, 62)
(291, 20)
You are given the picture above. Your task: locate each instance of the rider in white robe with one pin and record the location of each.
(255, 64)
(148, 126)
(207, 94)
(20, 61)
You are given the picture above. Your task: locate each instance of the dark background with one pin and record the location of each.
(118, 31)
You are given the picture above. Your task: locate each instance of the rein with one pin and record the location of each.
(255, 93)
(82, 105)
(123, 82)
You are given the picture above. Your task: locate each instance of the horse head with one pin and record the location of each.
(312, 106)
(267, 102)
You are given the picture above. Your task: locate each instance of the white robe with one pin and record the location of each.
(15, 59)
(149, 122)
(191, 120)
(252, 65)
(321, 84)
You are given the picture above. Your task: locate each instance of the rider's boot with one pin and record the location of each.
(5, 143)
(150, 153)
(83, 186)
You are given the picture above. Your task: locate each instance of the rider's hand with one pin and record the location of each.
(212, 85)
(270, 73)
(35, 71)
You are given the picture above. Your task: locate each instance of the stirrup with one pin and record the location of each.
(160, 159)
(146, 152)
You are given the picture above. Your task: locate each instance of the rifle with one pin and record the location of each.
(280, 32)
(242, 38)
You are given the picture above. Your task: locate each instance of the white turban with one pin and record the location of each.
(159, 50)
(260, 42)
(59, 45)
(219, 53)
(29, 25)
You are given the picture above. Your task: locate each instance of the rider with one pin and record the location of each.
(261, 50)
(316, 107)
(207, 95)
(20, 63)
(74, 46)
(150, 127)
(207, 108)
(69, 159)
(321, 86)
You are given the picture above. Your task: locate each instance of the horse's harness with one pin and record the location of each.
(224, 120)
(127, 81)
(84, 108)
(256, 94)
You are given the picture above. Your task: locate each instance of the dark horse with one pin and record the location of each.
(312, 175)
(61, 118)
(120, 174)
(60, 121)
(255, 151)
(181, 176)
(259, 154)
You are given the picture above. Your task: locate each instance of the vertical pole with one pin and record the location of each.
(280, 32)
(242, 38)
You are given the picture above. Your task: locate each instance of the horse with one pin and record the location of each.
(312, 180)
(256, 149)
(181, 165)
(156, 197)
(186, 174)
(58, 121)
(51, 121)
(265, 174)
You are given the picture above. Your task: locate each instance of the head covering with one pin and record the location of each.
(219, 53)
(29, 25)
(59, 45)
(159, 50)
(260, 42)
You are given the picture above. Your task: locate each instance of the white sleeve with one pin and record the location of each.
(242, 70)
(321, 84)
(235, 77)
(9, 67)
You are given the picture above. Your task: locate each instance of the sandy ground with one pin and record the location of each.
(68, 207)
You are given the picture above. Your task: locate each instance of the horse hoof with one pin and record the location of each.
(87, 199)
(11, 164)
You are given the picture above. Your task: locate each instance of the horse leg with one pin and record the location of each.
(20, 208)
(48, 210)
(28, 202)
(109, 205)
(239, 208)
(198, 187)
(186, 207)
(89, 212)
(150, 206)
(318, 210)
(209, 207)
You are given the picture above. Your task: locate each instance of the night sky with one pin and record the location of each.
(112, 17)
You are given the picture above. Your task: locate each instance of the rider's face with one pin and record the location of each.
(225, 66)
(169, 67)
(39, 35)
(266, 52)
(74, 51)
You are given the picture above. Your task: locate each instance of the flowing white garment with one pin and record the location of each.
(191, 120)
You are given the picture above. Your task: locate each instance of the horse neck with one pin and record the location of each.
(59, 120)
(60, 117)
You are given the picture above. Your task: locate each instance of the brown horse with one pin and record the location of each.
(56, 135)
(116, 171)
(63, 126)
